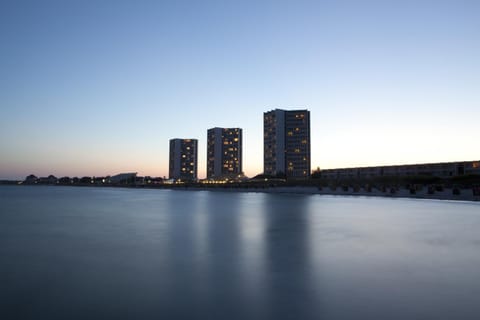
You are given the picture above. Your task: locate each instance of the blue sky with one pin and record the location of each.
(99, 87)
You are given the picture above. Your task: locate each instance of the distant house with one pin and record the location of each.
(31, 179)
(51, 179)
(85, 180)
(99, 180)
(64, 180)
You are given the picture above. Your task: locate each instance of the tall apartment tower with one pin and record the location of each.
(183, 159)
(224, 152)
(286, 143)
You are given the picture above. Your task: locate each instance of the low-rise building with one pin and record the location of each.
(123, 178)
(440, 170)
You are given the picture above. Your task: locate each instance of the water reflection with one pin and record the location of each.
(210, 261)
(253, 264)
(239, 255)
(92, 253)
(288, 271)
(373, 258)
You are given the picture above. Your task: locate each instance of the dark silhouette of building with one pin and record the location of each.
(85, 180)
(65, 180)
(51, 179)
(123, 178)
(31, 179)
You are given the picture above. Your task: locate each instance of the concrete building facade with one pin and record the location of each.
(286, 144)
(224, 152)
(183, 162)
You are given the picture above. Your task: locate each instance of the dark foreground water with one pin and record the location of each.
(97, 253)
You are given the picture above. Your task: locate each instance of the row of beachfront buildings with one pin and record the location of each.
(286, 154)
(286, 142)
(440, 170)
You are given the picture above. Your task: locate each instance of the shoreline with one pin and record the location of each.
(447, 194)
(422, 193)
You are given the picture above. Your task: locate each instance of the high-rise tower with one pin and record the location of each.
(286, 143)
(183, 159)
(224, 152)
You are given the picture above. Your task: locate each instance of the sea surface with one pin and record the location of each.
(111, 253)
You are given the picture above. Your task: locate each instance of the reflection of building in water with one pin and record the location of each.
(183, 159)
(286, 144)
(288, 254)
(441, 170)
(224, 152)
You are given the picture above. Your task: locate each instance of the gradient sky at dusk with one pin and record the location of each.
(99, 87)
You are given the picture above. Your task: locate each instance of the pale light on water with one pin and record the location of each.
(85, 253)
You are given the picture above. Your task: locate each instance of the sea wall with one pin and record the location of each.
(419, 192)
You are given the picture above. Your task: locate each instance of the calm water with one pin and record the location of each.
(95, 253)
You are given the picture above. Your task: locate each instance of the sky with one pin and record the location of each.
(94, 88)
